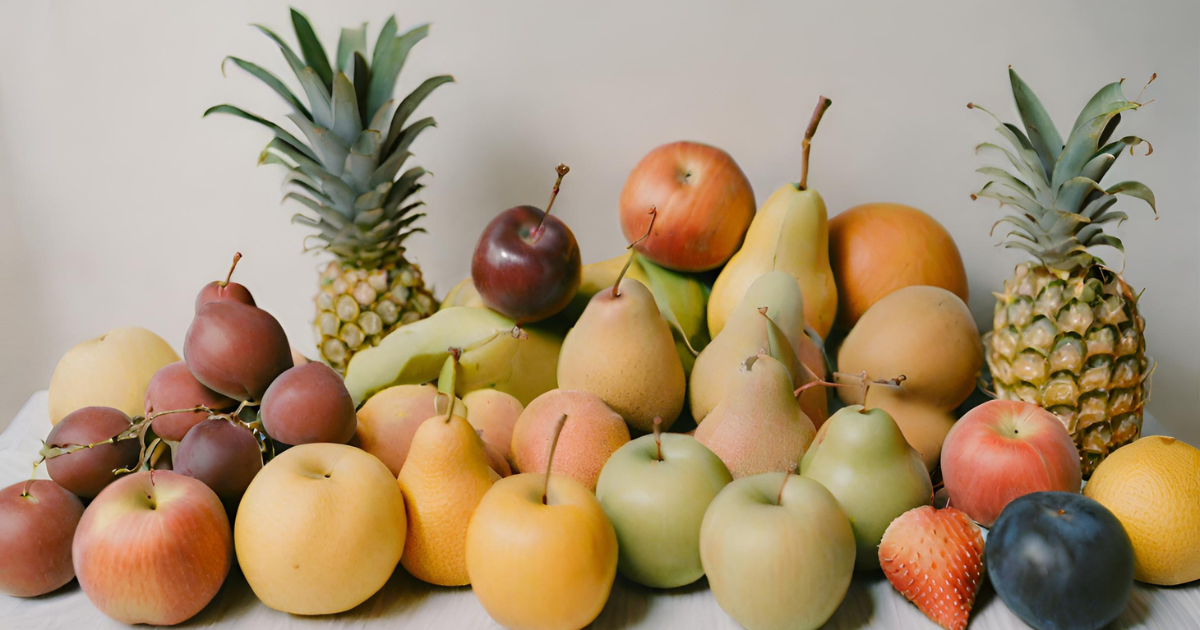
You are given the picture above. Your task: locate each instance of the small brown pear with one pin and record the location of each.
(759, 426)
(621, 350)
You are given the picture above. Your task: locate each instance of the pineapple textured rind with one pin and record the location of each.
(1067, 334)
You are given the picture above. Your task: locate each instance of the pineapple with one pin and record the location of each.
(1066, 331)
(348, 177)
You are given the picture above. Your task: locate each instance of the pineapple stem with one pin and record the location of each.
(224, 283)
(616, 292)
(787, 476)
(562, 170)
(823, 104)
(558, 427)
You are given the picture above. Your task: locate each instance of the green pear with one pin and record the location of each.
(789, 233)
(759, 426)
(860, 455)
(749, 332)
(622, 350)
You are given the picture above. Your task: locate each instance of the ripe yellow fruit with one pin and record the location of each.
(112, 370)
(1153, 488)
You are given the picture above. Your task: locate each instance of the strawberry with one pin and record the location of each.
(935, 558)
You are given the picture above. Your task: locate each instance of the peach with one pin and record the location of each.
(388, 421)
(494, 413)
(590, 435)
(1004, 449)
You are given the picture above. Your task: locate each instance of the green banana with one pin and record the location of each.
(524, 364)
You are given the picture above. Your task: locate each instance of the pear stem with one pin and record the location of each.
(658, 436)
(562, 170)
(224, 283)
(791, 469)
(558, 427)
(617, 285)
(823, 104)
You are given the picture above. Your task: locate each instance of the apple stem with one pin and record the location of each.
(28, 484)
(558, 427)
(224, 283)
(562, 170)
(658, 436)
(823, 104)
(791, 469)
(617, 285)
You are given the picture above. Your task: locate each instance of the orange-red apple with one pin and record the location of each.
(702, 200)
(154, 547)
(1004, 449)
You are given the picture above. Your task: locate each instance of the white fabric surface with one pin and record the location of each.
(407, 603)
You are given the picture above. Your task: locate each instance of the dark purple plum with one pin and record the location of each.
(1060, 561)
(309, 403)
(87, 471)
(37, 525)
(224, 455)
(173, 387)
(236, 350)
(219, 290)
(526, 263)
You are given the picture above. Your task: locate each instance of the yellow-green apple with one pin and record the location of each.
(84, 450)
(778, 552)
(703, 202)
(320, 529)
(541, 557)
(37, 523)
(861, 457)
(111, 370)
(655, 491)
(154, 547)
(1004, 449)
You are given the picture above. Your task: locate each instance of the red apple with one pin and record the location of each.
(154, 547)
(527, 264)
(37, 522)
(704, 206)
(1004, 449)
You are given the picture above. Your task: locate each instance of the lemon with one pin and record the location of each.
(1153, 488)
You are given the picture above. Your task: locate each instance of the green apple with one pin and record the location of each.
(860, 455)
(778, 551)
(655, 491)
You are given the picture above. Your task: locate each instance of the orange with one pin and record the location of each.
(1153, 488)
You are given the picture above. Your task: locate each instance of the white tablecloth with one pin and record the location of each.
(412, 605)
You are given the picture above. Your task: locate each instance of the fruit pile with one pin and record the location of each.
(669, 414)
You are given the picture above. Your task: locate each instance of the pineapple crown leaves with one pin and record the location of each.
(1054, 185)
(349, 172)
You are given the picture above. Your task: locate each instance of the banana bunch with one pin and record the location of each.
(493, 353)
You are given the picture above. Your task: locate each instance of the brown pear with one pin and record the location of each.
(621, 350)
(759, 426)
(444, 477)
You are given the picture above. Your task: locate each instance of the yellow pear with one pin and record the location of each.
(789, 233)
(622, 350)
(759, 427)
(748, 333)
(444, 477)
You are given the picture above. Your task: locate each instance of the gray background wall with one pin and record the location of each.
(118, 202)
